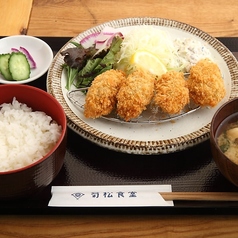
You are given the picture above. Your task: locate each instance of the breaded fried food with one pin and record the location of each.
(135, 94)
(101, 96)
(205, 83)
(171, 92)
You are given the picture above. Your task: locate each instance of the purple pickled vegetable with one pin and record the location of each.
(14, 50)
(29, 57)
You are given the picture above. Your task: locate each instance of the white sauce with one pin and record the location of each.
(190, 51)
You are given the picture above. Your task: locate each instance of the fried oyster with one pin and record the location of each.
(205, 83)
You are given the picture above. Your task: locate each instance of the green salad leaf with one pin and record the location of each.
(85, 65)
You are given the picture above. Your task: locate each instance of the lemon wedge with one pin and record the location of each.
(148, 61)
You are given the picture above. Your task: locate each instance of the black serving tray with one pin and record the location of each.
(191, 170)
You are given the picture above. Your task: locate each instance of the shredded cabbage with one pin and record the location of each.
(178, 54)
(153, 40)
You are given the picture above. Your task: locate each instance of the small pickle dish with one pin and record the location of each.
(30, 179)
(23, 59)
(224, 140)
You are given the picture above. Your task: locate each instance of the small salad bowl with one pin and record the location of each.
(38, 53)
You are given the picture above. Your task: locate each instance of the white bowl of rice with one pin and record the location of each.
(33, 132)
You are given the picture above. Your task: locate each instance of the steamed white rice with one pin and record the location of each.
(25, 135)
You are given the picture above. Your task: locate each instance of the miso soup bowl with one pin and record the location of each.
(223, 116)
(32, 179)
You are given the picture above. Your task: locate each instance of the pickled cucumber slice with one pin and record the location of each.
(4, 70)
(19, 66)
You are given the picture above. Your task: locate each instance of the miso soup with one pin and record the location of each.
(227, 137)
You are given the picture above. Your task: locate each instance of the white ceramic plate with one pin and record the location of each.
(39, 50)
(158, 138)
